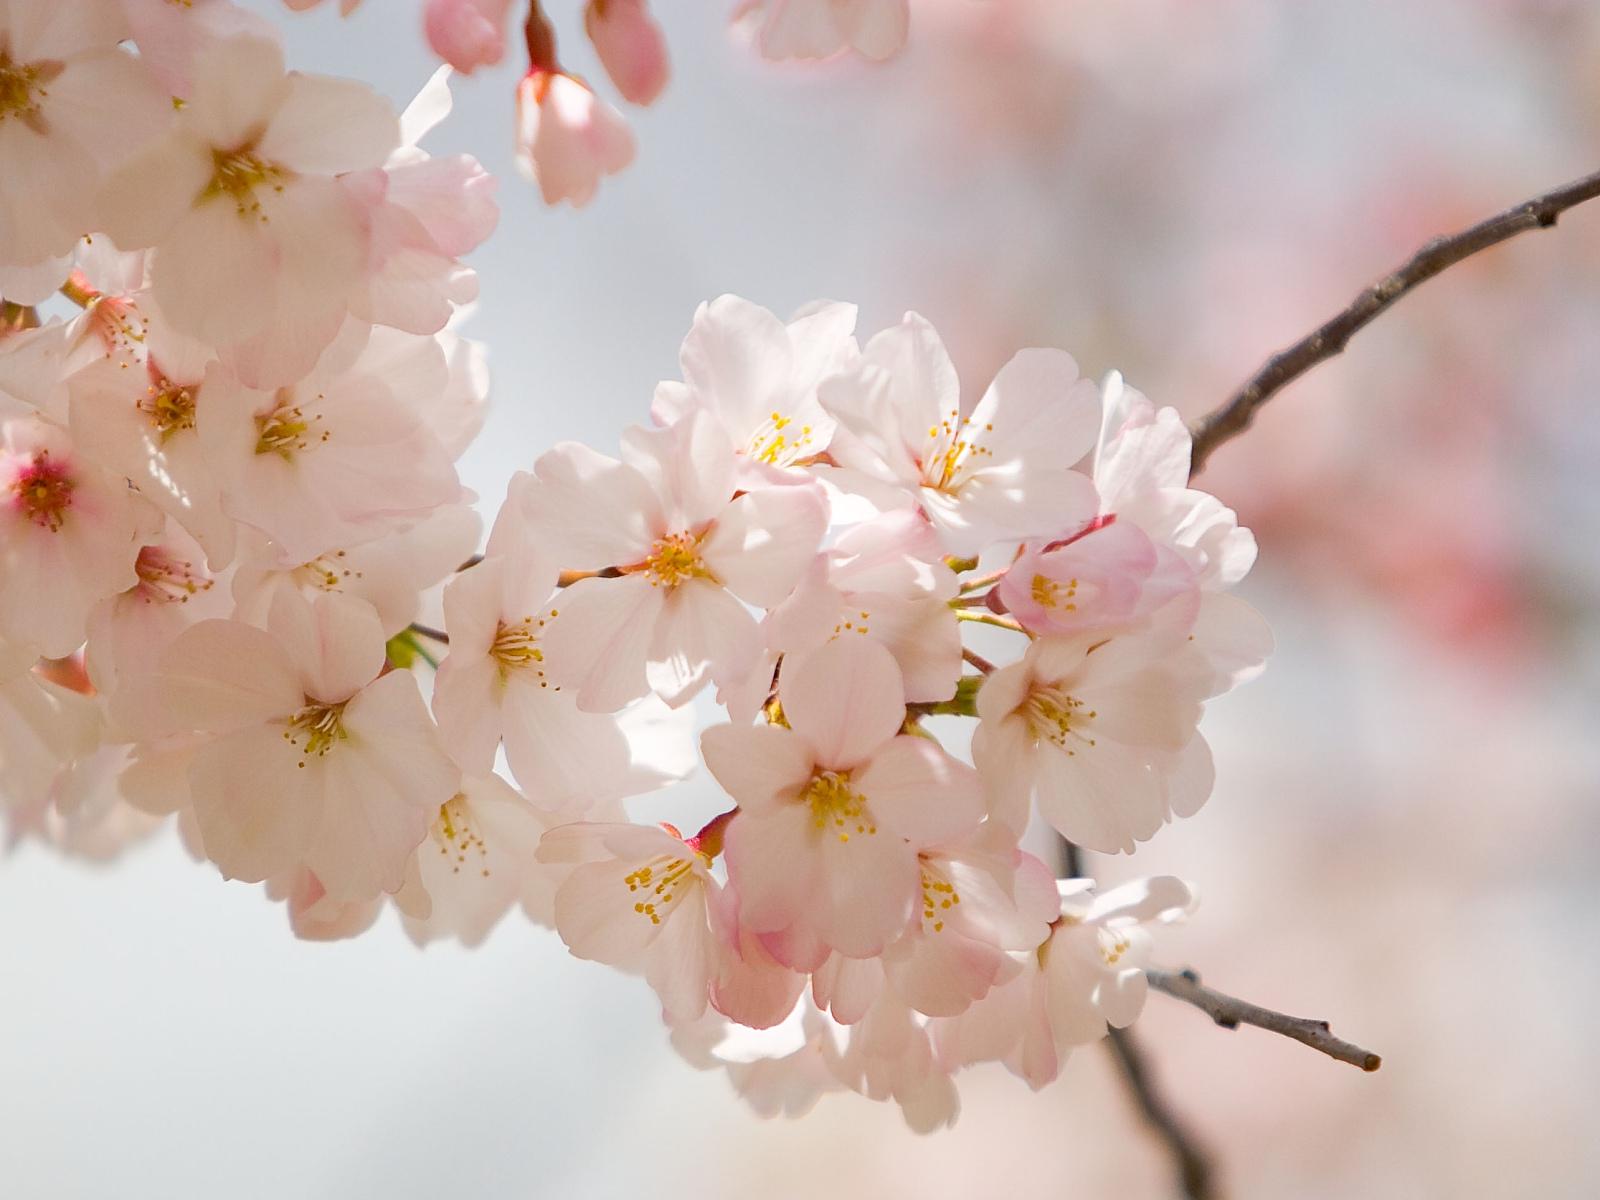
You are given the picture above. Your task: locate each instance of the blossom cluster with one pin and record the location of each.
(230, 523)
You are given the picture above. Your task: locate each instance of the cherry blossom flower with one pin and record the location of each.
(630, 46)
(567, 137)
(1101, 732)
(1001, 473)
(875, 29)
(1110, 577)
(142, 423)
(257, 249)
(688, 554)
(758, 376)
(476, 864)
(72, 106)
(173, 590)
(1095, 960)
(882, 579)
(833, 809)
(1141, 470)
(311, 758)
(467, 34)
(1088, 975)
(70, 536)
(390, 573)
(340, 457)
(44, 726)
(492, 687)
(982, 898)
(423, 214)
(639, 901)
(889, 1055)
(170, 36)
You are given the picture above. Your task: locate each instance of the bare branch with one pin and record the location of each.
(1231, 1013)
(429, 632)
(1194, 1165)
(1234, 417)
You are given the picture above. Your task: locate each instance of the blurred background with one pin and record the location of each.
(1404, 832)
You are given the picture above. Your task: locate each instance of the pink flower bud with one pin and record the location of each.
(467, 34)
(630, 47)
(567, 137)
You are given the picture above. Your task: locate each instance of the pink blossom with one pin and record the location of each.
(690, 556)
(1141, 470)
(171, 36)
(567, 137)
(256, 248)
(467, 34)
(476, 864)
(758, 377)
(1001, 473)
(882, 579)
(833, 809)
(639, 901)
(1102, 732)
(308, 756)
(493, 688)
(630, 46)
(1110, 577)
(74, 106)
(70, 535)
(340, 457)
(875, 29)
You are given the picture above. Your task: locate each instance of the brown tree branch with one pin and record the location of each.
(1233, 417)
(1194, 1165)
(1230, 1013)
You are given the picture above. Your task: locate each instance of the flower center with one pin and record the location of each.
(285, 430)
(516, 646)
(326, 572)
(675, 558)
(777, 443)
(1113, 945)
(1057, 717)
(320, 725)
(1052, 593)
(164, 579)
(237, 174)
(169, 406)
(22, 87)
(457, 838)
(43, 490)
(835, 806)
(658, 883)
(952, 445)
(939, 896)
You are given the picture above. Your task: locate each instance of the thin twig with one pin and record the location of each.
(977, 660)
(1230, 1013)
(1234, 417)
(428, 631)
(1194, 1165)
(984, 618)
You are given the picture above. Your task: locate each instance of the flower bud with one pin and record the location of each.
(630, 46)
(567, 138)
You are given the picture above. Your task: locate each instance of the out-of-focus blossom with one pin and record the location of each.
(875, 29)
(467, 34)
(630, 45)
(567, 137)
